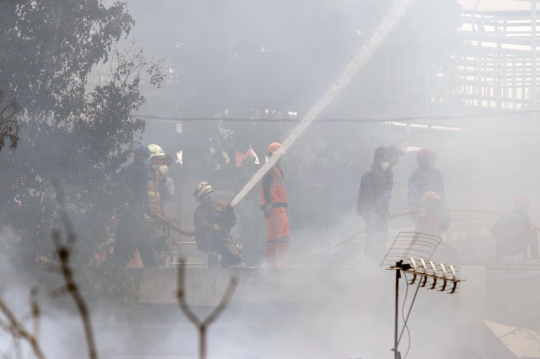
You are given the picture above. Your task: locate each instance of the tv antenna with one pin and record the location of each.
(411, 253)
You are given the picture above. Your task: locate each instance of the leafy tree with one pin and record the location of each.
(78, 135)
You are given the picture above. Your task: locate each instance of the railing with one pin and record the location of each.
(472, 239)
(499, 66)
(495, 67)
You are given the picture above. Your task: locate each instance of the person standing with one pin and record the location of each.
(134, 230)
(155, 225)
(393, 154)
(273, 205)
(372, 204)
(514, 234)
(166, 184)
(166, 188)
(424, 179)
(155, 219)
(433, 219)
(213, 222)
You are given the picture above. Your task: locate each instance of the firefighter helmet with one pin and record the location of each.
(275, 147)
(156, 151)
(202, 189)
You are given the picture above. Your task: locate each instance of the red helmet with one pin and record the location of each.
(275, 147)
(425, 153)
(520, 201)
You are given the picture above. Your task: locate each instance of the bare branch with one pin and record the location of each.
(202, 326)
(223, 303)
(36, 314)
(5, 327)
(64, 252)
(16, 329)
(9, 124)
(182, 297)
(66, 221)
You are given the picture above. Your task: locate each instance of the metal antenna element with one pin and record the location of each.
(411, 253)
(411, 244)
(439, 273)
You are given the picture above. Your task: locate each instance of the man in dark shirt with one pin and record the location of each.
(372, 205)
(132, 226)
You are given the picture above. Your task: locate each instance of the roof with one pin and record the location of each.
(523, 342)
(478, 342)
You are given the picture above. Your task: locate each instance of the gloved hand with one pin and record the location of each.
(229, 218)
(267, 210)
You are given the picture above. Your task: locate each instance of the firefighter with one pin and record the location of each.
(372, 204)
(166, 184)
(424, 179)
(273, 205)
(166, 188)
(433, 219)
(134, 230)
(514, 235)
(155, 226)
(213, 222)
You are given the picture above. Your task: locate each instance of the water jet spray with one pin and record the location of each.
(378, 36)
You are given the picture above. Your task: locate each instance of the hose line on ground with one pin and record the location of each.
(401, 214)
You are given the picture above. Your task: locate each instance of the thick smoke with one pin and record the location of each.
(241, 75)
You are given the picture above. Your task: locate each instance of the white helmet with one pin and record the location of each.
(156, 151)
(201, 189)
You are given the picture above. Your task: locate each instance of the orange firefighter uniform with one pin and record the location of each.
(274, 204)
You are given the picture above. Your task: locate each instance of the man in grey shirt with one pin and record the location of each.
(373, 206)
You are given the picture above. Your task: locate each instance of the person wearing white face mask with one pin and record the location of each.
(373, 206)
(159, 184)
(166, 187)
(166, 184)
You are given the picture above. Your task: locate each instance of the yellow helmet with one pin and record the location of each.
(201, 189)
(156, 151)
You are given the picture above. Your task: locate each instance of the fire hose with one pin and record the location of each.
(175, 227)
(346, 240)
(401, 214)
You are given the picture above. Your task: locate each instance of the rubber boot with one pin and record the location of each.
(285, 255)
(271, 255)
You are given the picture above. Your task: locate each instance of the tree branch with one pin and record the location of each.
(9, 124)
(17, 329)
(202, 326)
(64, 252)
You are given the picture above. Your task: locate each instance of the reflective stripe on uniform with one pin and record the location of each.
(277, 181)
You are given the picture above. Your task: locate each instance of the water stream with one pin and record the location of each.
(377, 37)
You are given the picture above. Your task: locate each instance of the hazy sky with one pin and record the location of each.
(495, 4)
